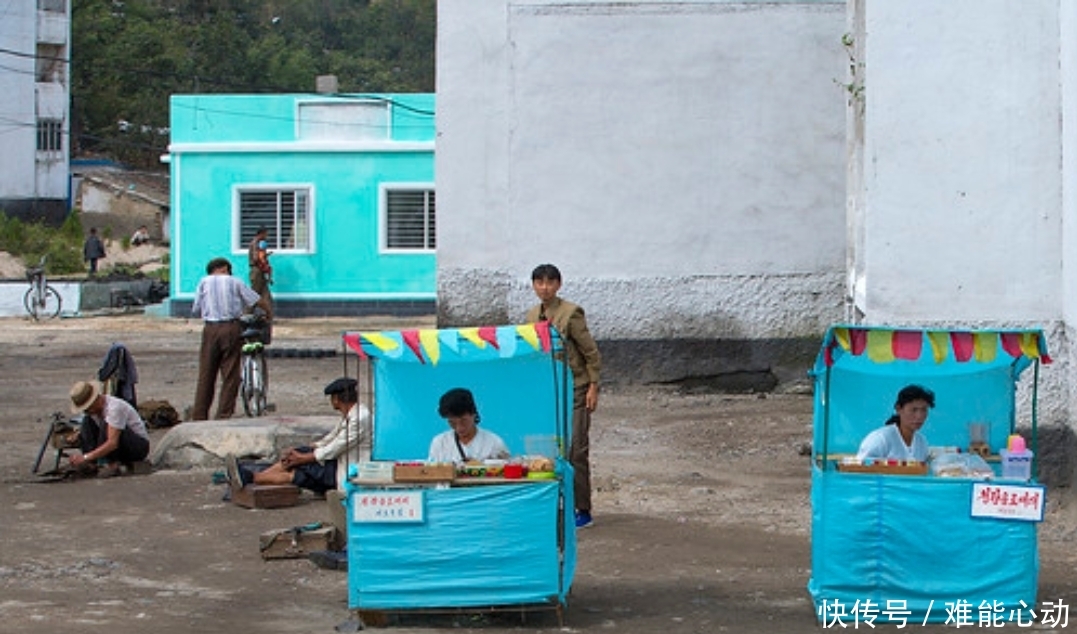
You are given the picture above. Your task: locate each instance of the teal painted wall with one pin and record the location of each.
(344, 261)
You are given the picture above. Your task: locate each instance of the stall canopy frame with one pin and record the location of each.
(519, 396)
(859, 370)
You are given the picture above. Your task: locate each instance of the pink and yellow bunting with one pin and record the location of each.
(887, 346)
(472, 335)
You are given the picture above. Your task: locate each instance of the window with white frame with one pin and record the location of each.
(284, 212)
(50, 135)
(410, 218)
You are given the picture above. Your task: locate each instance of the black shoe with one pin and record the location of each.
(329, 559)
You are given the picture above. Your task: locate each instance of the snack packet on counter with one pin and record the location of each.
(961, 465)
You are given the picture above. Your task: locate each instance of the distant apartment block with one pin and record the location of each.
(35, 122)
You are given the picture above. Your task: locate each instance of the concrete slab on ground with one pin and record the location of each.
(204, 444)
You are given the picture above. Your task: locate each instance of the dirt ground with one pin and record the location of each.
(702, 509)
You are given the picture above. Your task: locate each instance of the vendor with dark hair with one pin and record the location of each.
(900, 437)
(465, 441)
(323, 466)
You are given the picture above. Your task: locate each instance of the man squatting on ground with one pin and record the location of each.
(323, 466)
(112, 432)
(585, 363)
(221, 300)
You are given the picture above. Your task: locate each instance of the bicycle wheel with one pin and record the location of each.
(253, 385)
(48, 308)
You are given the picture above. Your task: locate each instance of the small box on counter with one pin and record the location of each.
(422, 472)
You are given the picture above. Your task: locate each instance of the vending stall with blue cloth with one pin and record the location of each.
(480, 542)
(898, 541)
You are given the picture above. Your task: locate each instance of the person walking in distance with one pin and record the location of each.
(220, 300)
(585, 362)
(93, 250)
(261, 275)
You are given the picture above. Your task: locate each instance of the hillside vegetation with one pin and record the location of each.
(129, 56)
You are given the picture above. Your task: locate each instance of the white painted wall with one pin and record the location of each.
(963, 202)
(18, 25)
(681, 162)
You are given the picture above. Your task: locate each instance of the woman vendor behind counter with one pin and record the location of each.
(465, 441)
(900, 437)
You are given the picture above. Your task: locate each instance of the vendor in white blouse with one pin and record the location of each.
(900, 437)
(465, 441)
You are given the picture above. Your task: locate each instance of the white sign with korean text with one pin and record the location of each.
(1008, 501)
(387, 506)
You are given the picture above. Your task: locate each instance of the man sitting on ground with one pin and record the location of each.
(323, 466)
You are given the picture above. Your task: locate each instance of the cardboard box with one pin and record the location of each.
(299, 541)
(424, 473)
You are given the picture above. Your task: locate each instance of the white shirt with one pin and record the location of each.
(352, 435)
(886, 442)
(484, 445)
(120, 415)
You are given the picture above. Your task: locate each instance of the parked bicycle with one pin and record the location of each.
(254, 379)
(41, 300)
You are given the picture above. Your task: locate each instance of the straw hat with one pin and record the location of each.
(83, 394)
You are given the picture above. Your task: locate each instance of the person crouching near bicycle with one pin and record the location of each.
(323, 466)
(112, 433)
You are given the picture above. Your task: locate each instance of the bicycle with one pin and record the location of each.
(254, 378)
(41, 300)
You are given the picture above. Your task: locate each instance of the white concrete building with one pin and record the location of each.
(962, 196)
(34, 108)
(720, 180)
(682, 163)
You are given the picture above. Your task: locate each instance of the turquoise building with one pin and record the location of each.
(343, 183)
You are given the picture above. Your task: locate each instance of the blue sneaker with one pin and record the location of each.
(583, 519)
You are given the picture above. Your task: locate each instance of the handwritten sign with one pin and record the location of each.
(387, 506)
(1008, 501)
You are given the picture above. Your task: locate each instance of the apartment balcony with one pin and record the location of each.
(53, 27)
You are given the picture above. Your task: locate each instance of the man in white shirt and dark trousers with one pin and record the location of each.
(221, 300)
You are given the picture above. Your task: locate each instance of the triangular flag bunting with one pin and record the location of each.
(472, 335)
(527, 333)
(1011, 343)
(908, 345)
(411, 337)
(962, 344)
(1030, 344)
(381, 341)
(488, 334)
(352, 339)
(841, 335)
(940, 344)
(429, 340)
(506, 341)
(543, 330)
(985, 345)
(881, 346)
(858, 341)
(450, 339)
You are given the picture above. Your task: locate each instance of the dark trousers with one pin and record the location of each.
(132, 446)
(220, 354)
(260, 285)
(579, 453)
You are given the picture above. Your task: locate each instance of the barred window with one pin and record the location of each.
(284, 212)
(410, 219)
(50, 135)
